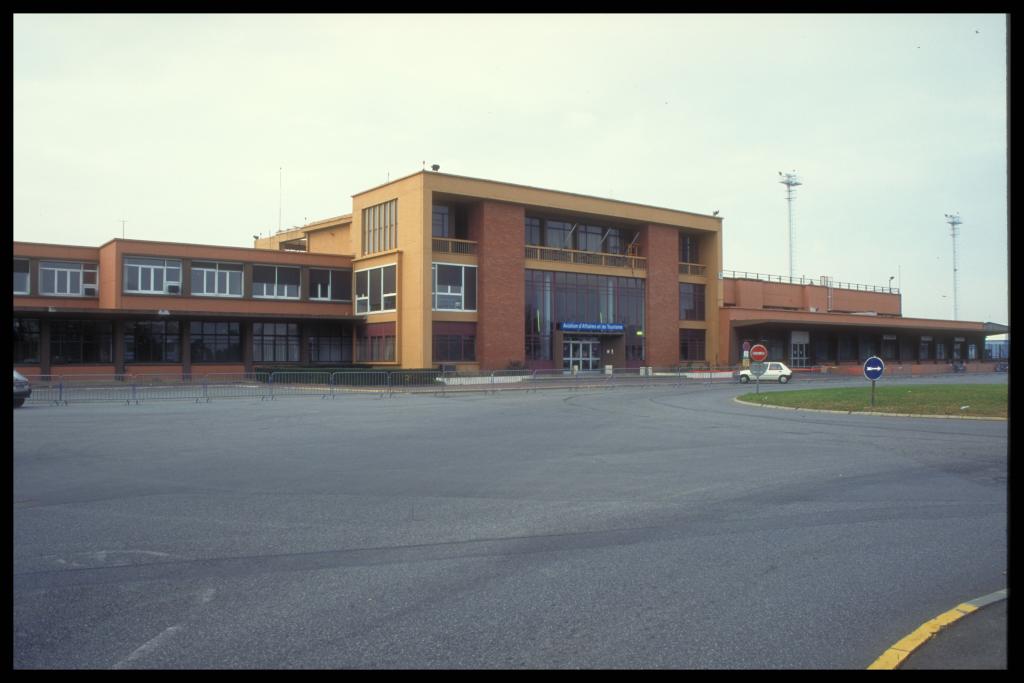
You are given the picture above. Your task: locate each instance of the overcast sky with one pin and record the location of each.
(180, 124)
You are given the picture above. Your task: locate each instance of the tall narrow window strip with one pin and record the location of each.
(380, 227)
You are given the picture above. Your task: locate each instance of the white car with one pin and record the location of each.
(22, 389)
(776, 372)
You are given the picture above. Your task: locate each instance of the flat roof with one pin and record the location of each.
(538, 189)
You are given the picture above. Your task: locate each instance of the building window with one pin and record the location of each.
(152, 342)
(691, 301)
(63, 278)
(275, 342)
(454, 342)
(452, 348)
(26, 340)
(868, 347)
(558, 234)
(275, 282)
(211, 278)
(330, 285)
(562, 234)
(441, 226)
(380, 227)
(539, 321)
(80, 341)
(376, 290)
(533, 234)
(329, 343)
(589, 238)
(614, 241)
(889, 347)
(21, 278)
(846, 347)
(152, 276)
(689, 250)
(376, 348)
(215, 342)
(691, 345)
(972, 352)
(940, 351)
(553, 297)
(454, 287)
(922, 349)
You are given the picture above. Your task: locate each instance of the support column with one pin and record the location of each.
(500, 232)
(246, 329)
(185, 340)
(304, 343)
(661, 296)
(118, 341)
(44, 346)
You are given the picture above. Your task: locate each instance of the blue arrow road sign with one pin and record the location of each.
(873, 368)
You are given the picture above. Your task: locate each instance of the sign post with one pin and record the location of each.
(758, 354)
(873, 369)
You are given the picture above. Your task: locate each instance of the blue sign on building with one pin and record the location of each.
(591, 327)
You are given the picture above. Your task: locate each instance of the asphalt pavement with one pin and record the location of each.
(624, 528)
(977, 641)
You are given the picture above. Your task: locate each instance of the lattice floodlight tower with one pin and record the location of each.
(954, 232)
(790, 181)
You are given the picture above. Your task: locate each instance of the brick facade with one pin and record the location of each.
(661, 314)
(499, 230)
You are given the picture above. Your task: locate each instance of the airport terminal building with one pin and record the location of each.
(474, 275)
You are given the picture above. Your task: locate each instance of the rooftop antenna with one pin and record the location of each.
(123, 221)
(279, 170)
(790, 181)
(954, 229)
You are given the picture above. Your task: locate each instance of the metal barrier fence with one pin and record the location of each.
(61, 390)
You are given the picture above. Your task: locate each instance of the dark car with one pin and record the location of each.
(22, 389)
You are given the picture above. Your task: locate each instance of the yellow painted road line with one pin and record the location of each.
(898, 653)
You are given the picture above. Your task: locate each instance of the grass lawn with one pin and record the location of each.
(978, 400)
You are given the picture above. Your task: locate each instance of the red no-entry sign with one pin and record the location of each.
(758, 353)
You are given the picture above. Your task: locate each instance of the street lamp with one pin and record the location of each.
(891, 278)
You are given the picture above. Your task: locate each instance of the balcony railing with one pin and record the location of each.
(587, 258)
(692, 269)
(821, 282)
(444, 245)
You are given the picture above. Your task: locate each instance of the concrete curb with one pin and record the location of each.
(898, 653)
(864, 412)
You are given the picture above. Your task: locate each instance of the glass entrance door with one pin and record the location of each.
(799, 355)
(799, 340)
(583, 353)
